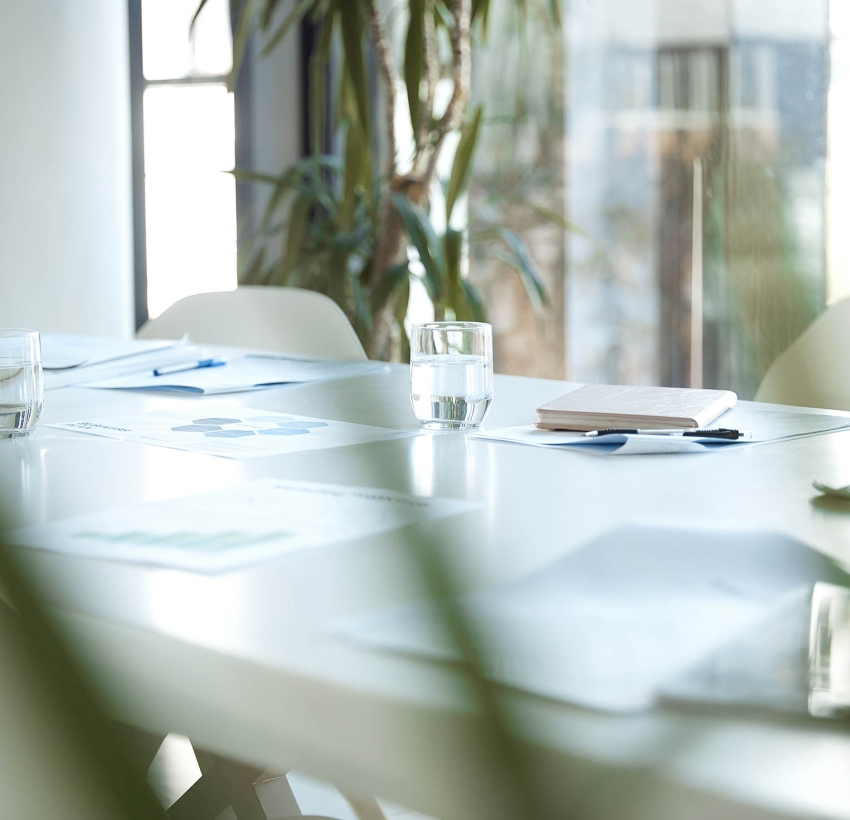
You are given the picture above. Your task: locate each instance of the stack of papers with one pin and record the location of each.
(115, 364)
(70, 359)
(241, 373)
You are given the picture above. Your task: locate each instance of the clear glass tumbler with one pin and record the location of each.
(451, 374)
(21, 383)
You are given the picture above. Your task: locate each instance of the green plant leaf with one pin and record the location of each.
(295, 16)
(353, 27)
(475, 300)
(463, 160)
(284, 186)
(244, 175)
(295, 231)
(389, 283)
(414, 57)
(240, 39)
(318, 62)
(552, 216)
(524, 264)
(452, 246)
(422, 235)
(520, 259)
(362, 311)
(481, 14)
(253, 272)
(401, 305)
(195, 16)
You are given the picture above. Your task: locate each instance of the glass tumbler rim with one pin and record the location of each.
(452, 325)
(13, 332)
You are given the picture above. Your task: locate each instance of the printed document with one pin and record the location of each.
(241, 525)
(765, 424)
(232, 432)
(241, 373)
(608, 625)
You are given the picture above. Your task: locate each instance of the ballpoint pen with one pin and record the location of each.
(181, 368)
(722, 433)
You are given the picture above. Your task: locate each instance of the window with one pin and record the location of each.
(700, 148)
(188, 139)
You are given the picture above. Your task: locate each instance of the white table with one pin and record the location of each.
(243, 663)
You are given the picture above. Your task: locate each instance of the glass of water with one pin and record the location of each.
(451, 374)
(21, 384)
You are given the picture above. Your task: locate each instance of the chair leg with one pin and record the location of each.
(366, 808)
(141, 746)
(222, 783)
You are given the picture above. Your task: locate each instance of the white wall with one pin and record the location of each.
(65, 174)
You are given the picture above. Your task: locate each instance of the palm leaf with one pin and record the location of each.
(353, 27)
(296, 228)
(391, 282)
(240, 40)
(478, 313)
(195, 16)
(520, 259)
(414, 55)
(462, 161)
(551, 215)
(295, 16)
(422, 235)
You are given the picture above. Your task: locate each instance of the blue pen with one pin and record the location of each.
(181, 368)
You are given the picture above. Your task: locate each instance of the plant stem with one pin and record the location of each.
(389, 73)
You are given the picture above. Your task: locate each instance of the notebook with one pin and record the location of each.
(606, 406)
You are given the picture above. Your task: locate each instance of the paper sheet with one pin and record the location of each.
(232, 432)
(764, 423)
(145, 360)
(63, 351)
(238, 526)
(607, 625)
(241, 373)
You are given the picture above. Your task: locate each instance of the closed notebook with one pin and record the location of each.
(606, 406)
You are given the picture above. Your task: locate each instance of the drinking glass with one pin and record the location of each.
(21, 384)
(451, 374)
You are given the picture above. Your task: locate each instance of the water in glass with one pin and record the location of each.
(21, 397)
(451, 390)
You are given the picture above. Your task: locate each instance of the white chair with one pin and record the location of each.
(287, 320)
(815, 370)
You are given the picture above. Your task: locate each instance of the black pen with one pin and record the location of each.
(730, 435)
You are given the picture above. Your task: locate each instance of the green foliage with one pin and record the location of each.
(325, 216)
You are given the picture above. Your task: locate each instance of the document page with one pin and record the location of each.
(238, 526)
(239, 374)
(232, 432)
(764, 424)
(609, 624)
(63, 351)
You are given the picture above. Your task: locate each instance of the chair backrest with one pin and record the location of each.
(815, 370)
(287, 320)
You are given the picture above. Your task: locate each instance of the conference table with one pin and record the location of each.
(245, 664)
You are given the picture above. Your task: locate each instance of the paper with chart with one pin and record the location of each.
(239, 374)
(764, 423)
(610, 624)
(237, 526)
(232, 432)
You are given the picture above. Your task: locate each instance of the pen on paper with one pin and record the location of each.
(182, 368)
(722, 433)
